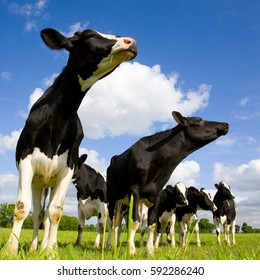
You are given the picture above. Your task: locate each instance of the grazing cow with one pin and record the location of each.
(226, 212)
(198, 200)
(47, 149)
(167, 202)
(144, 168)
(92, 198)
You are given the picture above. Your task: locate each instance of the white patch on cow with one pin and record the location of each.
(90, 207)
(223, 219)
(228, 187)
(189, 218)
(46, 170)
(166, 216)
(225, 185)
(207, 194)
(39, 171)
(182, 188)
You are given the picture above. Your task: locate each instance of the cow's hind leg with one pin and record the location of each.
(81, 223)
(226, 230)
(36, 194)
(55, 206)
(102, 219)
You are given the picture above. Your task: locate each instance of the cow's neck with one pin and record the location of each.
(180, 141)
(175, 147)
(67, 92)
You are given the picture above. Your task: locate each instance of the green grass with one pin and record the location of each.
(247, 248)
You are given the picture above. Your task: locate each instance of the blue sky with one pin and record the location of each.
(197, 57)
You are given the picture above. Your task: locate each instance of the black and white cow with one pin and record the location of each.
(226, 212)
(167, 201)
(92, 198)
(47, 149)
(144, 168)
(198, 200)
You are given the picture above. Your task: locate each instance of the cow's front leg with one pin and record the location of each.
(172, 230)
(233, 231)
(217, 230)
(196, 228)
(150, 246)
(135, 219)
(134, 227)
(23, 204)
(158, 234)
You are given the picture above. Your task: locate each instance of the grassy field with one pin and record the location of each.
(247, 248)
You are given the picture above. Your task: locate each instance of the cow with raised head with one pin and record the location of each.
(92, 198)
(198, 200)
(144, 168)
(47, 150)
(226, 211)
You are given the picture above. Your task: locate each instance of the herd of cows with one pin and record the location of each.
(47, 157)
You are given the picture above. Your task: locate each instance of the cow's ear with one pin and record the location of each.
(82, 159)
(216, 186)
(56, 41)
(179, 118)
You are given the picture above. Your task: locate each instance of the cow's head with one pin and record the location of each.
(225, 190)
(181, 194)
(93, 55)
(199, 131)
(78, 165)
(205, 201)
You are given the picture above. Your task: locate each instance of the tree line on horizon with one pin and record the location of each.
(71, 222)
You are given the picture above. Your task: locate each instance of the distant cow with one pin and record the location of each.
(198, 200)
(47, 149)
(167, 202)
(144, 168)
(92, 198)
(226, 212)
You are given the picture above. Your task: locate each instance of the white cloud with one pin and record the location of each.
(93, 160)
(133, 97)
(8, 142)
(6, 75)
(37, 93)
(227, 141)
(244, 101)
(186, 172)
(77, 26)
(49, 80)
(32, 12)
(245, 177)
(8, 181)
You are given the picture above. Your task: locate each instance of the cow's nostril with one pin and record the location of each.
(127, 41)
